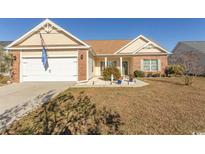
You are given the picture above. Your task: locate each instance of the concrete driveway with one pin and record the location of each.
(17, 99)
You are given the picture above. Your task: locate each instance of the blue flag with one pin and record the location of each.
(44, 58)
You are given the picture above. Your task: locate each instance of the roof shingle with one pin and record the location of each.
(198, 45)
(106, 46)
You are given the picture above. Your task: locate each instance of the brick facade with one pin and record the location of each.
(82, 65)
(16, 66)
(136, 62)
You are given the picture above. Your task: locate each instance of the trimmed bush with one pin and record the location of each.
(3, 79)
(156, 74)
(149, 74)
(175, 70)
(111, 70)
(138, 73)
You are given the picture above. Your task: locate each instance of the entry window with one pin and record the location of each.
(150, 65)
(112, 64)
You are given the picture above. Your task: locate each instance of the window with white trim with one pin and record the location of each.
(150, 65)
(112, 64)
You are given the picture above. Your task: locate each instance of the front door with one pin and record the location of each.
(125, 68)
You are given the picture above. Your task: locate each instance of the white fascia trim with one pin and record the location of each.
(118, 55)
(161, 48)
(39, 26)
(150, 42)
(93, 53)
(22, 37)
(140, 36)
(52, 23)
(141, 48)
(113, 55)
(143, 37)
(39, 48)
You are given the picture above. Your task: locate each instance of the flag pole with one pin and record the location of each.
(44, 53)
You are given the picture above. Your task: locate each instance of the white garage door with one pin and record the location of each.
(60, 69)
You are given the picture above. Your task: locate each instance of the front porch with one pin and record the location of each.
(99, 82)
(122, 63)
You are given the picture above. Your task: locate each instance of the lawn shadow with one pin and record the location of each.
(166, 81)
(18, 111)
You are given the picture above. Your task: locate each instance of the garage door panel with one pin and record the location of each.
(60, 69)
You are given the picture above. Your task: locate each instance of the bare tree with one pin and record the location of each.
(192, 68)
(5, 62)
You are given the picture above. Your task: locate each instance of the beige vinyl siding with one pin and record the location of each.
(134, 46)
(53, 38)
(157, 50)
(50, 53)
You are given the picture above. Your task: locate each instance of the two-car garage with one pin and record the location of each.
(60, 69)
(65, 54)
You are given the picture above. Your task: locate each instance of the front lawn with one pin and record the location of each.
(165, 106)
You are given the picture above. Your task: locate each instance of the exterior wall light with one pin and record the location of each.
(81, 57)
(14, 57)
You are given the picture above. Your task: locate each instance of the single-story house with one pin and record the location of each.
(192, 53)
(72, 59)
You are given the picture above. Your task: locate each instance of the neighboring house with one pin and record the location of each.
(191, 51)
(71, 59)
(4, 44)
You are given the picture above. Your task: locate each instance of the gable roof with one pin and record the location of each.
(46, 21)
(106, 46)
(98, 46)
(149, 41)
(198, 45)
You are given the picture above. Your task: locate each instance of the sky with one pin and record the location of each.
(167, 32)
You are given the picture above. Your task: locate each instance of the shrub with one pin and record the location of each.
(111, 70)
(156, 74)
(149, 74)
(176, 70)
(68, 115)
(138, 73)
(3, 79)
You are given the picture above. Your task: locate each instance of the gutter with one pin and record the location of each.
(101, 55)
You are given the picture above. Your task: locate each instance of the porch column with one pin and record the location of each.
(121, 66)
(105, 62)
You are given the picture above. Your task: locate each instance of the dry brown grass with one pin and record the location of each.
(166, 106)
